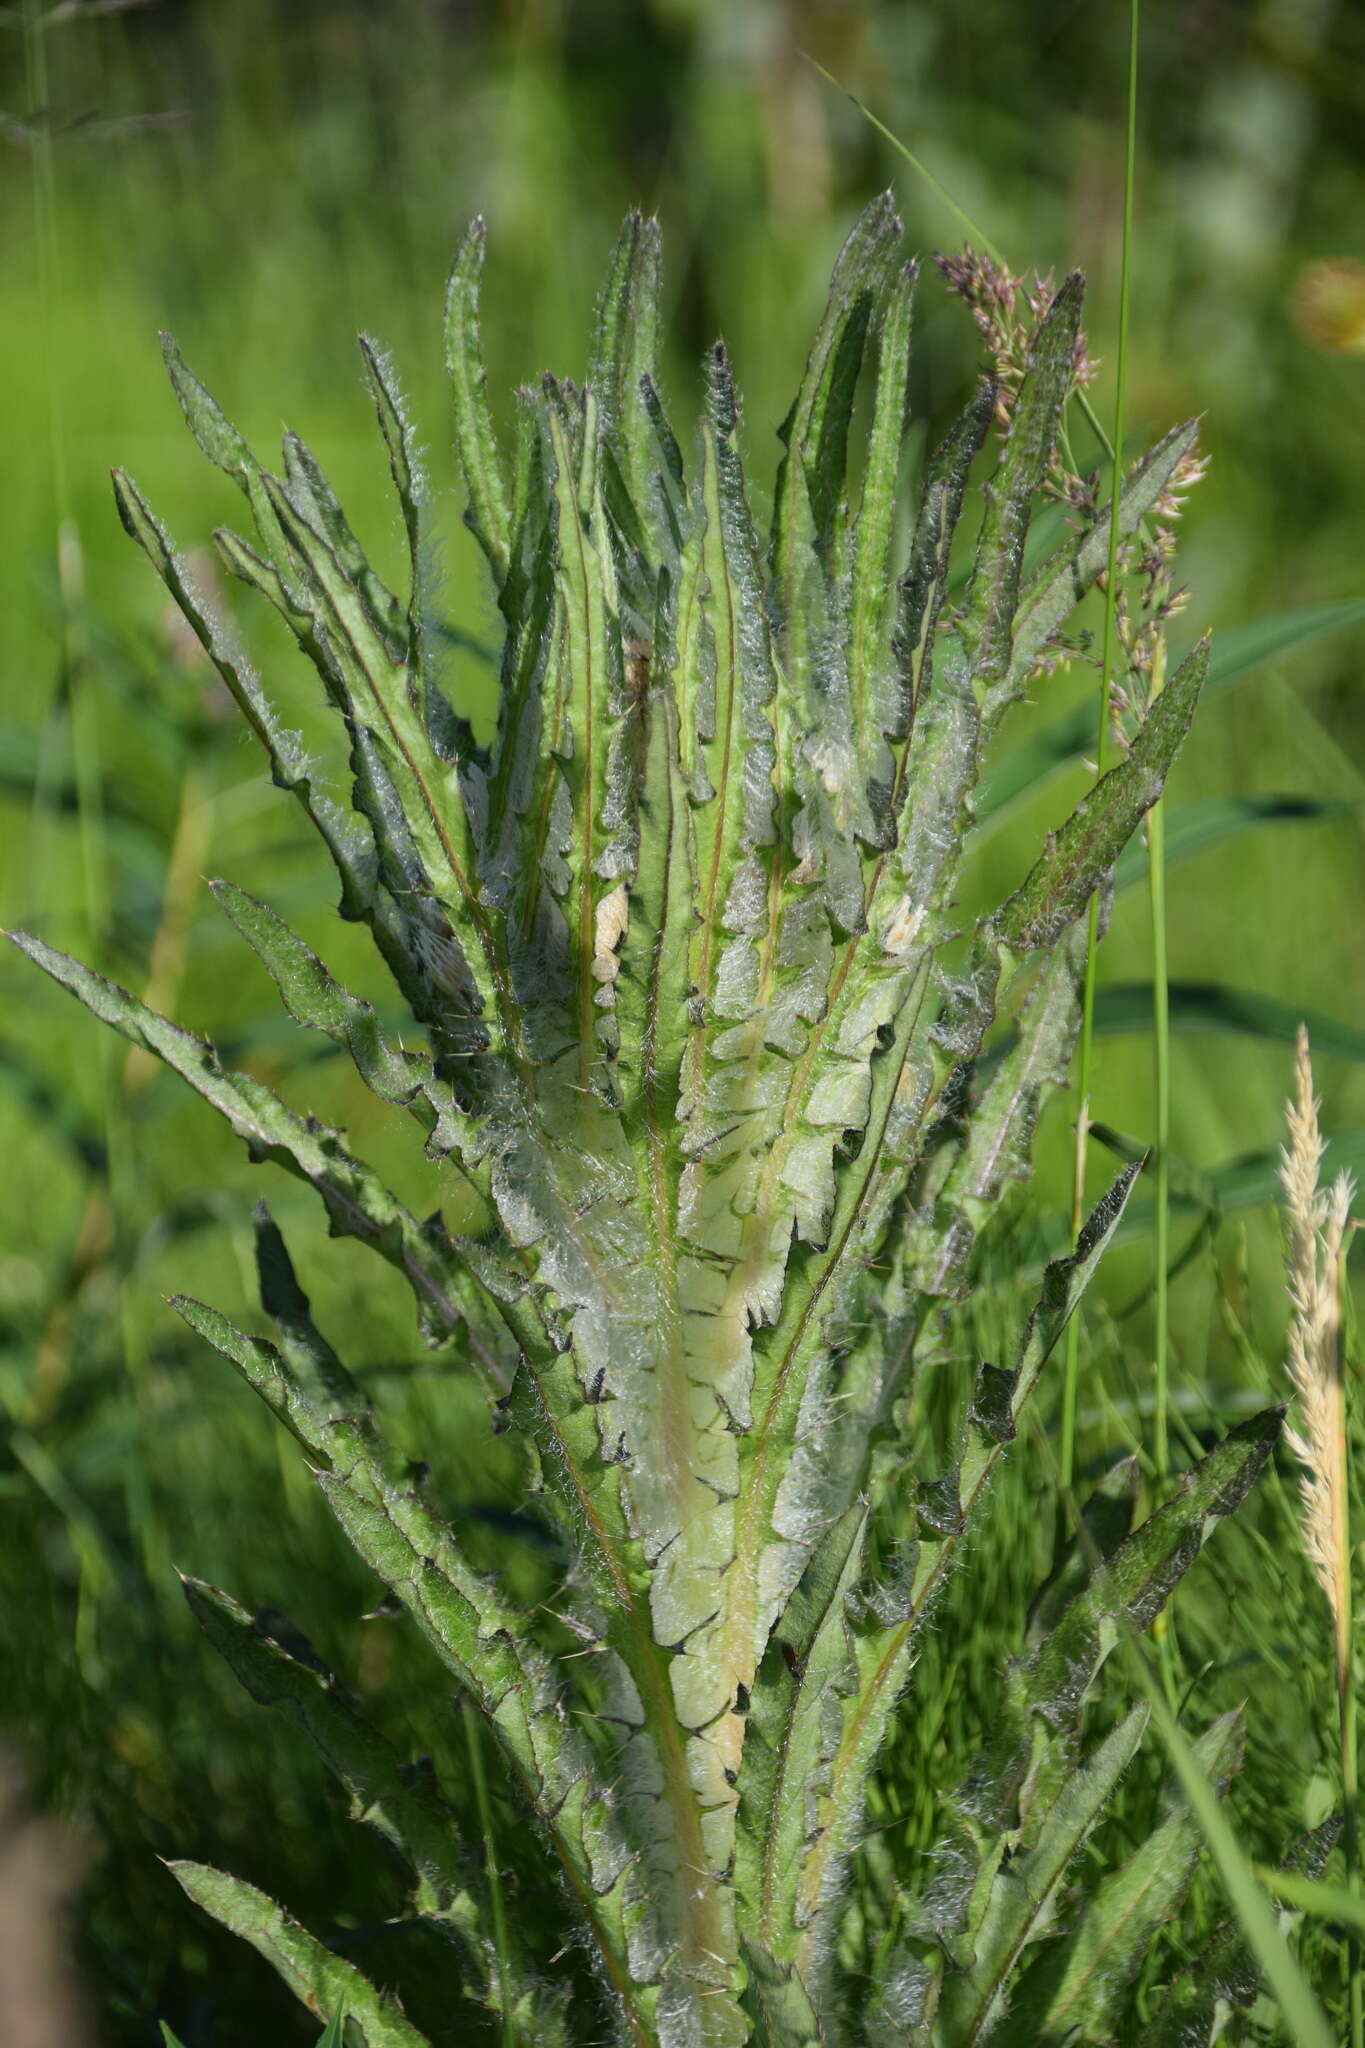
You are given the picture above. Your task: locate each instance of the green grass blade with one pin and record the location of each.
(993, 591)
(1203, 1006)
(1246, 1182)
(1208, 821)
(1302, 2013)
(1314, 1895)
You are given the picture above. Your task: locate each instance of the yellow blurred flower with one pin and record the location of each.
(1329, 305)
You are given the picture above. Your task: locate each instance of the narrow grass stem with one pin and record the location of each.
(974, 229)
(978, 234)
(1161, 1077)
(1350, 1792)
(497, 1904)
(1071, 1373)
(70, 572)
(1163, 1632)
(75, 682)
(44, 222)
(1073, 1351)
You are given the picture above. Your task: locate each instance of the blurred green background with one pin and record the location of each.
(265, 178)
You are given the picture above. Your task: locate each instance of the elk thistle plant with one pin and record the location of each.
(706, 1083)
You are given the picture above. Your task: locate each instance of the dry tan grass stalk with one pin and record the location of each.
(1319, 1219)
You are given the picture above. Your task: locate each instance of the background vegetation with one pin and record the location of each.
(264, 179)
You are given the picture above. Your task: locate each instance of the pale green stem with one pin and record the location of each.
(1073, 1334)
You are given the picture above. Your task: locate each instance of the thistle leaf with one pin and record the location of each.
(1075, 1985)
(475, 443)
(1064, 1282)
(403, 458)
(1083, 850)
(321, 1980)
(226, 450)
(998, 1141)
(878, 706)
(1063, 580)
(993, 593)
(413, 1820)
(1129, 1590)
(324, 1382)
(484, 1641)
(778, 2004)
(1106, 1519)
(811, 478)
(925, 582)
(1226, 1972)
(1024, 1896)
(357, 1202)
(623, 366)
(392, 1800)
(290, 767)
(315, 1000)
(786, 1742)
(318, 503)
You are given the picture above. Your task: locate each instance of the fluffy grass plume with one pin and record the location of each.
(1318, 1221)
